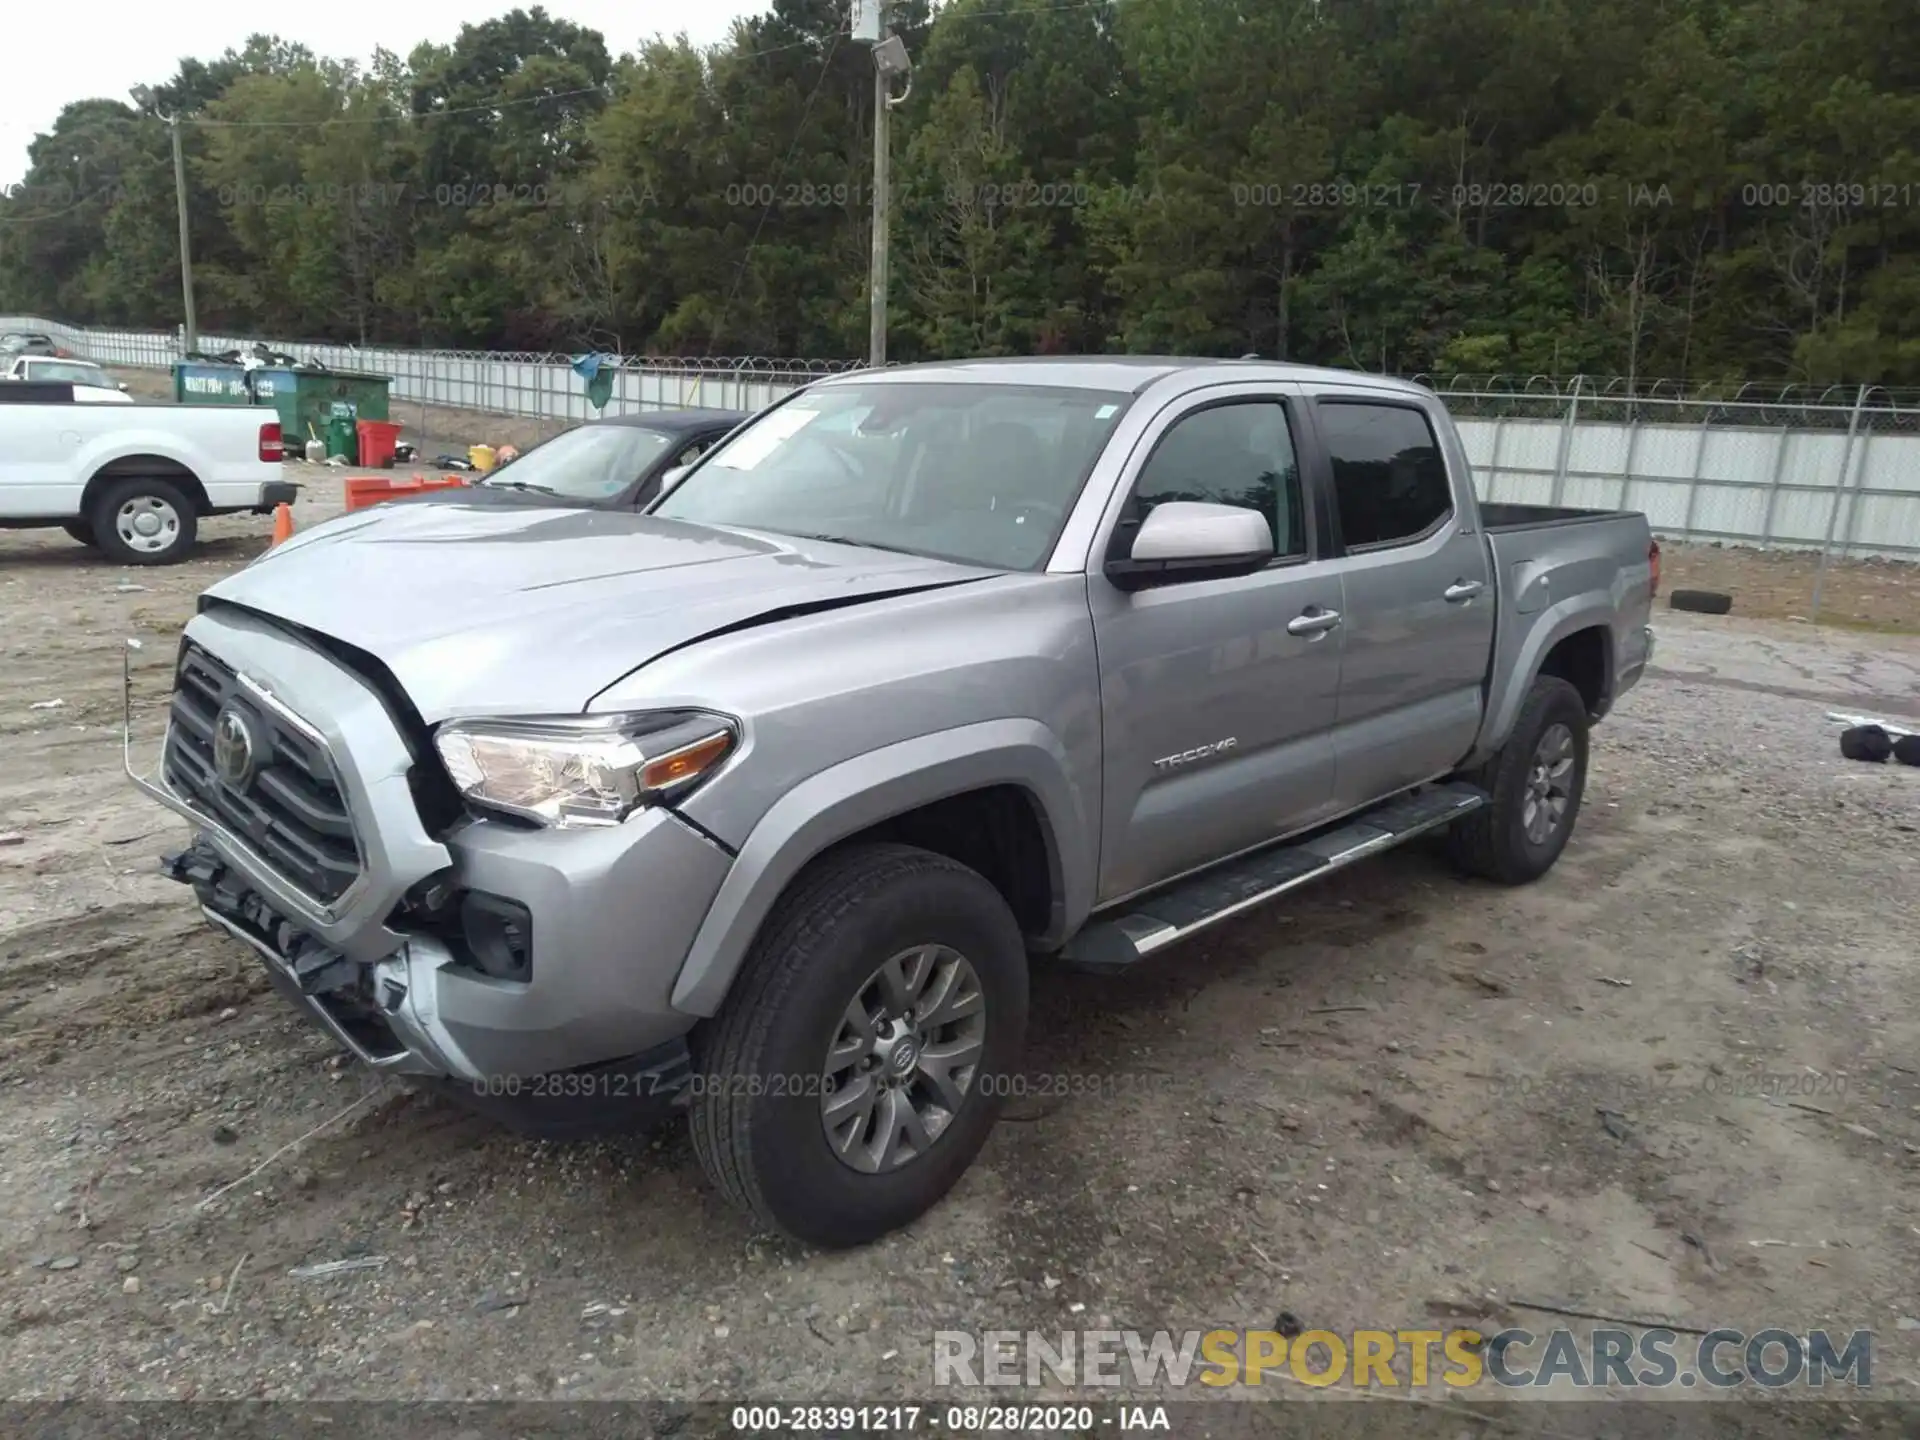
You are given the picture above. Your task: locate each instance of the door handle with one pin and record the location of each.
(1314, 622)
(1461, 591)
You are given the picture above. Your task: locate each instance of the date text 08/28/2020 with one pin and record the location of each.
(955, 1419)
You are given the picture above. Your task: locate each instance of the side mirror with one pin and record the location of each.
(669, 479)
(1184, 540)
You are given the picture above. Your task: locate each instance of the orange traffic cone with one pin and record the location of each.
(282, 523)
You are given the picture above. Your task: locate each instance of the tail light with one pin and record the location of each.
(271, 446)
(1653, 561)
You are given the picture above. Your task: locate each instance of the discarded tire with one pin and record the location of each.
(1701, 602)
(1866, 742)
(1907, 749)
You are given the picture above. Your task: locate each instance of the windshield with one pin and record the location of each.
(979, 473)
(593, 462)
(71, 374)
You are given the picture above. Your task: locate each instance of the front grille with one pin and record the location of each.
(288, 804)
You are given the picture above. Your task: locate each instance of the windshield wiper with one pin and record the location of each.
(519, 485)
(846, 540)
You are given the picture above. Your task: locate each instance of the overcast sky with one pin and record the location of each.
(56, 55)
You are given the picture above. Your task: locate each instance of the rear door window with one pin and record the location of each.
(1389, 475)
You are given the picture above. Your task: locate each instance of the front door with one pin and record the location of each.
(1217, 718)
(1418, 622)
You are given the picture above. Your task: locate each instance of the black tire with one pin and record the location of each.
(759, 1066)
(1493, 842)
(1907, 749)
(1701, 602)
(80, 530)
(178, 521)
(1868, 743)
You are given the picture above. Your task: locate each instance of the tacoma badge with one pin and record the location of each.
(1205, 752)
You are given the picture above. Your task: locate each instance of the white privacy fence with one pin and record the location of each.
(499, 382)
(1836, 471)
(1839, 473)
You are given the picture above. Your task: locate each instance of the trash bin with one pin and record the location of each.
(342, 439)
(480, 457)
(377, 441)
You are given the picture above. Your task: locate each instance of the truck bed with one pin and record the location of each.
(1501, 517)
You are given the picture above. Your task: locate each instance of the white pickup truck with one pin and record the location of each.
(133, 480)
(92, 385)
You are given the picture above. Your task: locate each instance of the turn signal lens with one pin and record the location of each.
(683, 765)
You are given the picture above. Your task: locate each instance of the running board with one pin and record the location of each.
(1183, 909)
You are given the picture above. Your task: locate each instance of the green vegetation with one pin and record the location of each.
(1701, 189)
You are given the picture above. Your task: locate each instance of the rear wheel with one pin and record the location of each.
(144, 522)
(860, 1061)
(1536, 782)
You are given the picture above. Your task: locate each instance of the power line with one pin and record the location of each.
(953, 13)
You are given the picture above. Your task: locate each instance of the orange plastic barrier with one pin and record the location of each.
(365, 490)
(282, 524)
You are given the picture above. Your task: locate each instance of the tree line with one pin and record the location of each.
(1699, 189)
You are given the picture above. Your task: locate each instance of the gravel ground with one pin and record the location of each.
(1380, 1104)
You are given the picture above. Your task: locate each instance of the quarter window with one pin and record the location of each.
(1389, 477)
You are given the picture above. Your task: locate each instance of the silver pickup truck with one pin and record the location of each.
(762, 803)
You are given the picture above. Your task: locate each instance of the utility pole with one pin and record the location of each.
(186, 239)
(143, 97)
(882, 222)
(889, 59)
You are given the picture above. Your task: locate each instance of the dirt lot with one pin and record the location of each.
(1401, 1101)
(1778, 585)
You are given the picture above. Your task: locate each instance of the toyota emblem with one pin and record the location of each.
(232, 749)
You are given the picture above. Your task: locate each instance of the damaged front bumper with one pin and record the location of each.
(384, 1013)
(375, 1010)
(582, 1034)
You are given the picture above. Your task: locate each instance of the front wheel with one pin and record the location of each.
(862, 1057)
(144, 522)
(1536, 782)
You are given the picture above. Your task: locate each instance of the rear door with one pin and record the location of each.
(1217, 718)
(1417, 627)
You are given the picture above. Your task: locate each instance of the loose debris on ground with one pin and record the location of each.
(1395, 1093)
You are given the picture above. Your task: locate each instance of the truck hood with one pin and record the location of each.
(510, 611)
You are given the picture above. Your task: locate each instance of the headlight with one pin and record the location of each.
(588, 771)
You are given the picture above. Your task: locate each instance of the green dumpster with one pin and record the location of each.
(197, 382)
(306, 399)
